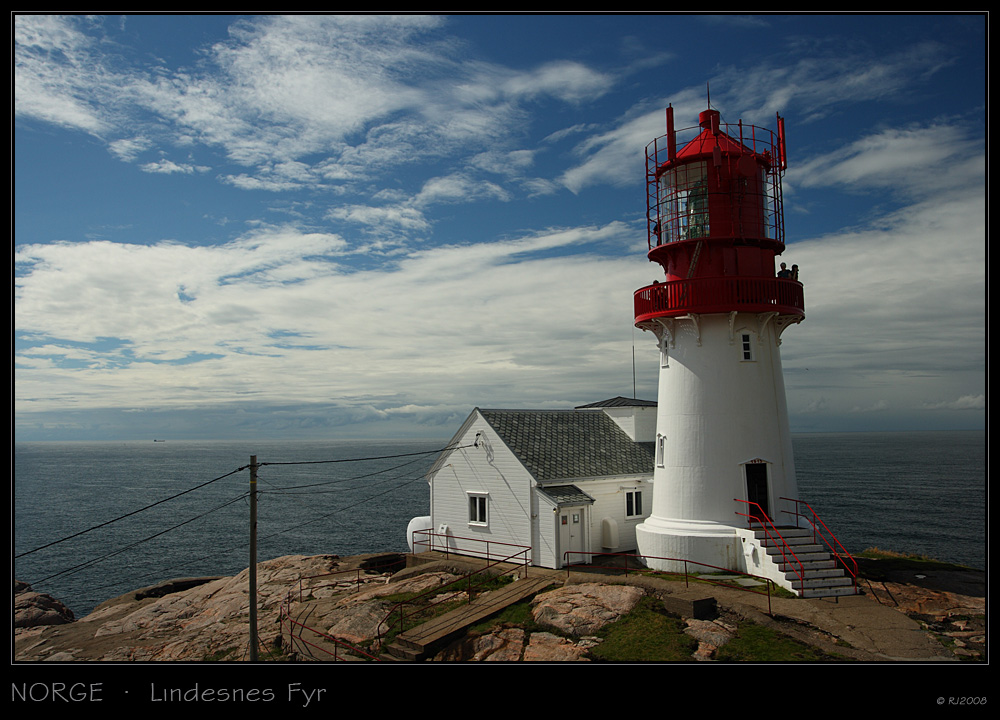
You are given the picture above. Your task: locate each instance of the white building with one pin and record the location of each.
(554, 485)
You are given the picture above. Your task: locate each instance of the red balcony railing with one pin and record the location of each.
(719, 295)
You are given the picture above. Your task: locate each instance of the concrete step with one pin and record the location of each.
(806, 566)
(838, 591)
(798, 548)
(824, 573)
(794, 558)
(819, 582)
(786, 531)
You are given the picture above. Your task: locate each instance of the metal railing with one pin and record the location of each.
(845, 559)
(735, 141)
(719, 294)
(358, 574)
(767, 582)
(476, 547)
(395, 619)
(771, 532)
(340, 648)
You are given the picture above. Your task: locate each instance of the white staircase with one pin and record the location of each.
(808, 568)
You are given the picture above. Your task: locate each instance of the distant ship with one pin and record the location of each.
(155, 440)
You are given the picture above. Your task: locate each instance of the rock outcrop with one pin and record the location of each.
(586, 608)
(315, 605)
(34, 609)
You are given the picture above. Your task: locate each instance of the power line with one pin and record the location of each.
(120, 550)
(134, 512)
(221, 477)
(285, 490)
(279, 491)
(382, 457)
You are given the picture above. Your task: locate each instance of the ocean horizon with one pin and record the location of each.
(94, 520)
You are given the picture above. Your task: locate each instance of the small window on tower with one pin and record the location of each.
(746, 346)
(661, 442)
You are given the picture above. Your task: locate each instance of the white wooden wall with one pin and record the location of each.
(609, 501)
(489, 468)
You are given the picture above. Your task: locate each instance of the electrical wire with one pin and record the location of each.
(126, 515)
(120, 550)
(279, 491)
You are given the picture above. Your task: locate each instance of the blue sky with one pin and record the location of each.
(365, 226)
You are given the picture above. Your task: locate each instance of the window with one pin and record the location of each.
(683, 202)
(746, 347)
(477, 508)
(661, 442)
(633, 503)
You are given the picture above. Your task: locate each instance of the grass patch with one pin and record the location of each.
(518, 614)
(756, 643)
(876, 564)
(423, 606)
(647, 634)
(222, 655)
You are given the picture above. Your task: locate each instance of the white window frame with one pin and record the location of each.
(633, 503)
(747, 353)
(661, 449)
(479, 503)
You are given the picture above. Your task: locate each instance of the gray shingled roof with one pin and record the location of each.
(567, 495)
(562, 444)
(618, 402)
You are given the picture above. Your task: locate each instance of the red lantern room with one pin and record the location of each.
(715, 221)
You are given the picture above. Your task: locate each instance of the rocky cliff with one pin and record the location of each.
(308, 604)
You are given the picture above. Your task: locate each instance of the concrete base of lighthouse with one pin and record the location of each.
(706, 546)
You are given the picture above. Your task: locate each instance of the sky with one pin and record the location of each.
(306, 226)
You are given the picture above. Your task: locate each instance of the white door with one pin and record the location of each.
(572, 535)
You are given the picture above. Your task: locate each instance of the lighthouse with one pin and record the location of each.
(723, 452)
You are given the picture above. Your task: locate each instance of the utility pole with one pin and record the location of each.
(253, 558)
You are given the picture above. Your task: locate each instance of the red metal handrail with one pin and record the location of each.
(764, 521)
(400, 606)
(285, 614)
(446, 549)
(356, 572)
(717, 295)
(768, 582)
(852, 568)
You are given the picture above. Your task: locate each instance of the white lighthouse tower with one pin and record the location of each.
(723, 450)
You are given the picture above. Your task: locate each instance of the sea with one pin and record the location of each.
(94, 520)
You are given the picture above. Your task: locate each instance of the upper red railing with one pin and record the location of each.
(719, 295)
(730, 144)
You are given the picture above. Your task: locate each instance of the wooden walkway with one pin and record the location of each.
(414, 644)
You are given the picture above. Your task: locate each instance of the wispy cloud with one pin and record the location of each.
(413, 269)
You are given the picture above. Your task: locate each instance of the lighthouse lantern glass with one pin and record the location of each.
(683, 202)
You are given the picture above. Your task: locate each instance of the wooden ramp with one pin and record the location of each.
(416, 643)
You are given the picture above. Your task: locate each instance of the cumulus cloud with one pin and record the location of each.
(233, 316)
(966, 402)
(370, 133)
